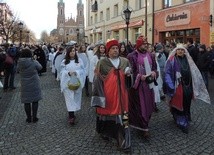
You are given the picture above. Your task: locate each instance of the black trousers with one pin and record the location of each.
(31, 108)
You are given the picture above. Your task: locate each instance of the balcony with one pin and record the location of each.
(94, 7)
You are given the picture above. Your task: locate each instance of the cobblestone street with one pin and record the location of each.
(52, 135)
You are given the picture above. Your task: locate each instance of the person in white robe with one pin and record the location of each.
(99, 54)
(82, 55)
(72, 66)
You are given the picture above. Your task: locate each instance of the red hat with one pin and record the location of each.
(111, 43)
(140, 41)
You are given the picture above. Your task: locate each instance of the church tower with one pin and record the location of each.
(61, 17)
(80, 16)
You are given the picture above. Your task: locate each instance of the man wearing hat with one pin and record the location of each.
(161, 59)
(112, 116)
(141, 100)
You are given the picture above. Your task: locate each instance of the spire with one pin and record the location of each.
(61, 1)
(80, 1)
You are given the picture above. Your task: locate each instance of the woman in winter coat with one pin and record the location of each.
(30, 84)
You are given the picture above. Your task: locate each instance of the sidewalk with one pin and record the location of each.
(52, 135)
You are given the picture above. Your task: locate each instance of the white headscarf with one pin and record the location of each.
(199, 88)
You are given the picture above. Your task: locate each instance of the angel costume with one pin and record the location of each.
(72, 97)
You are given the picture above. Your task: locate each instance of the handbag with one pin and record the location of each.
(73, 83)
(149, 79)
(8, 60)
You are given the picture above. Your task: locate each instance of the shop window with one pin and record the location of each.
(168, 34)
(180, 33)
(197, 32)
(173, 33)
(187, 33)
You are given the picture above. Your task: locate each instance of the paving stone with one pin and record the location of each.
(52, 135)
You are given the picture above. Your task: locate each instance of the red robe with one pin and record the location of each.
(114, 87)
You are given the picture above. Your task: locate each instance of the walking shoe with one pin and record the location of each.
(104, 137)
(12, 87)
(71, 121)
(146, 134)
(28, 120)
(185, 130)
(35, 120)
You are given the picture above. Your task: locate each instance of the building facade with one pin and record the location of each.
(105, 19)
(70, 29)
(182, 20)
(165, 21)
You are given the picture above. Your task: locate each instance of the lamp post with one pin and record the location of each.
(20, 30)
(77, 31)
(127, 14)
(13, 37)
(28, 38)
(67, 37)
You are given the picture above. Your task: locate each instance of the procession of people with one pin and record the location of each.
(123, 86)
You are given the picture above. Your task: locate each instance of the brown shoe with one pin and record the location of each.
(71, 121)
(146, 134)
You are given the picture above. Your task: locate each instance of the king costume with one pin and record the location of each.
(111, 97)
(184, 82)
(141, 95)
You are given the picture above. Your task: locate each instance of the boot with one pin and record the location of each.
(35, 109)
(27, 107)
(71, 119)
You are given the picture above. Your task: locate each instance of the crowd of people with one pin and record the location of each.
(127, 81)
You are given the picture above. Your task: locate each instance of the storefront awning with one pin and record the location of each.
(132, 24)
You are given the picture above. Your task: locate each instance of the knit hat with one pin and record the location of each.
(140, 41)
(203, 47)
(158, 47)
(111, 43)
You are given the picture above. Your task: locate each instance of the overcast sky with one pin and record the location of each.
(40, 15)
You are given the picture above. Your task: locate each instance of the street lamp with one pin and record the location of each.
(67, 37)
(28, 37)
(127, 14)
(13, 37)
(77, 31)
(20, 30)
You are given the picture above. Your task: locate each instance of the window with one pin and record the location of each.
(116, 35)
(80, 13)
(91, 20)
(116, 10)
(100, 36)
(139, 4)
(101, 16)
(167, 3)
(108, 14)
(95, 18)
(186, 1)
(125, 2)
